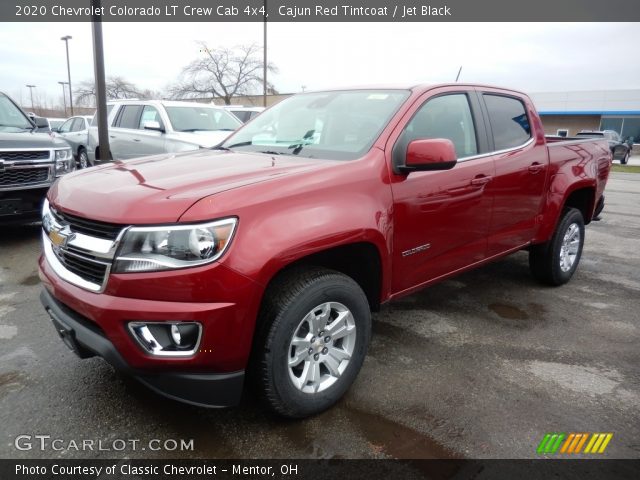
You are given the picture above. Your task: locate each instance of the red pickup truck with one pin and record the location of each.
(267, 254)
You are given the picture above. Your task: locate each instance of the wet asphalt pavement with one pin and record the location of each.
(480, 366)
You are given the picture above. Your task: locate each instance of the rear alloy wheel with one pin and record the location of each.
(555, 262)
(313, 334)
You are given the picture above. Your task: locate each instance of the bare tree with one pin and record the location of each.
(117, 88)
(222, 73)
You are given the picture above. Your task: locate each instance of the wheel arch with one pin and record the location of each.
(580, 195)
(361, 261)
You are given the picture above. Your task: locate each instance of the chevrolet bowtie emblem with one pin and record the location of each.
(60, 237)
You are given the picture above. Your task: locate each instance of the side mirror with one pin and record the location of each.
(55, 129)
(429, 154)
(41, 122)
(152, 125)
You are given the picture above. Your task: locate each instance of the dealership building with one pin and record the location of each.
(567, 113)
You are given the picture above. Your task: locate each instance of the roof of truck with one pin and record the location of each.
(421, 87)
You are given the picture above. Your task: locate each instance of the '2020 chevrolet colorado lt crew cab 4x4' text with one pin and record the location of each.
(267, 254)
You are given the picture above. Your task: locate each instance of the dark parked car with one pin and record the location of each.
(620, 149)
(29, 163)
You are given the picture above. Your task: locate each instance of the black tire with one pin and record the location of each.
(625, 159)
(599, 208)
(287, 302)
(83, 159)
(545, 259)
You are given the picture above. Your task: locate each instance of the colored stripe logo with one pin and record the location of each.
(572, 443)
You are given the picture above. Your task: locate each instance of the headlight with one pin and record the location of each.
(64, 161)
(145, 249)
(46, 216)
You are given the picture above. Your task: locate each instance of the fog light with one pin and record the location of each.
(175, 335)
(177, 339)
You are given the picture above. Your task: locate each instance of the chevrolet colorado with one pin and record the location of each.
(267, 254)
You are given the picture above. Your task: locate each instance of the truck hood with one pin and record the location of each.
(205, 139)
(161, 188)
(29, 140)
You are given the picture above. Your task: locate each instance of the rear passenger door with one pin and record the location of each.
(125, 128)
(521, 163)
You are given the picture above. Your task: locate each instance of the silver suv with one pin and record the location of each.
(147, 127)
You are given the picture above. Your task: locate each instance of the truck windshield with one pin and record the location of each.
(194, 119)
(339, 125)
(11, 118)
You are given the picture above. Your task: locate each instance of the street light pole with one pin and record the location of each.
(264, 58)
(31, 87)
(66, 39)
(64, 97)
(101, 95)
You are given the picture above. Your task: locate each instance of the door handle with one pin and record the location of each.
(136, 139)
(481, 180)
(112, 136)
(536, 167)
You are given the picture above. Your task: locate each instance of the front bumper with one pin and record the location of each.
(87, 339)
(21, 206)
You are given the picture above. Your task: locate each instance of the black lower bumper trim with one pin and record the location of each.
(21, 206)
(86, 340)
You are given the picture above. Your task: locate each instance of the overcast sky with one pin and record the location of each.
(531, 57)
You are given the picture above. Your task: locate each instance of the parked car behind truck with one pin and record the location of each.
(146, 127)
(75, 131)
(267, 255)
(621, 150)
(29, 163)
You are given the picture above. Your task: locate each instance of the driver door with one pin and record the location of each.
(441, 218)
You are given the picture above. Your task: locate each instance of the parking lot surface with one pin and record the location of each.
(479, 366)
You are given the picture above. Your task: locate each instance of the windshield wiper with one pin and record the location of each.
(297, 147)
(270, 152)
(240, 144)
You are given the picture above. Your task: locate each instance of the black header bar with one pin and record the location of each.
(320, 11)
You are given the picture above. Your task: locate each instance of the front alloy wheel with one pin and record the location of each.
(83, 159)
(321, 347)
(312, 336)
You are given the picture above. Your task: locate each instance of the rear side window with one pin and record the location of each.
(94, 120)
(509, 121)
(243, 116)
(130, 116)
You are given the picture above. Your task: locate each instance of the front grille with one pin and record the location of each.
(25, 155)
(82, 266)
(23, 176)
(108, 231)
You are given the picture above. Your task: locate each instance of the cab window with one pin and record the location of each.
(445, 116)
(149, 114)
